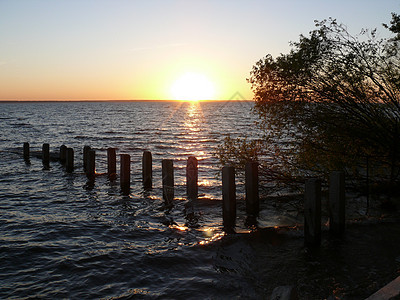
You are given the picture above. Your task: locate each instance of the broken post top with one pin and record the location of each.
(26, 151)
(86, 150)
(111, 163)
(192, 161)
(168, 180)
(312, 212)
(46, 153)
(228, 198)
(147, 170)
(69, 160)
(167, 170)
(192, 178)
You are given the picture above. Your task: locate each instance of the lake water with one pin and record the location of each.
(64, 238)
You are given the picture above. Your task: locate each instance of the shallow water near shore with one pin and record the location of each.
(63, 237)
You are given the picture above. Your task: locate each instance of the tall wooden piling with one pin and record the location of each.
(192, 175)
(91, 164)
(228, 198)
(69, 160)
(26, 151)
(337, 203)
(46, 154)
(63, 154)
(312, 212)
(125, 173)
(111, 163)
(147, 170)
(168, 180)
(252, 195)
(86, 149)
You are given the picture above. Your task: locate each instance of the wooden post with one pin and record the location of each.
(147, 171)
(228, 198)
(312, 212)
(251, 183)
(86, 149)
(69, 161)
(192, 175)
(125, 173)
(46, 154)
(168, 180)
(63, 154)
(91, 164)
(337, 203)
(26, 151)
(111, 163)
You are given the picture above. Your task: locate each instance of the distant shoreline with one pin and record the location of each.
(24, 101)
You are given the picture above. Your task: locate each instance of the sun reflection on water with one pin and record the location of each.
(179, 227)
(205, 182)
(194, 124)
(193, 114)
(211, 235)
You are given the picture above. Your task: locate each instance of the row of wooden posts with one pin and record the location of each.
(312, 205)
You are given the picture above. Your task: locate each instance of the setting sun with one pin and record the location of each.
(193, 86)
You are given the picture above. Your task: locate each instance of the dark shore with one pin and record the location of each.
(354, 266)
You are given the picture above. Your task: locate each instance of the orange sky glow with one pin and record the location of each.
(155, 50)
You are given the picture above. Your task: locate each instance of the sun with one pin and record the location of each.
(193, 87)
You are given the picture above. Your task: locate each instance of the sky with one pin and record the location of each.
(156, 49)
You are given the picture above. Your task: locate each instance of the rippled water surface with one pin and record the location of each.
(62, 237)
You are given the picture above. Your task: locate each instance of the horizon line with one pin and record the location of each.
(130, 100)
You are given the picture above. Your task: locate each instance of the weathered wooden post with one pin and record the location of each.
(168, 180)
(91, 164)
(86, 149)
(252, 196)
(228, 198)
(63, 154)
(111, 163)
(26, 151)
(337, 203)
(69, 161)
(125, 173)
(147, 171)
(46, 154)
(312, 212)
(192, 175)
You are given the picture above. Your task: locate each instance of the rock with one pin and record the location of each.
(390, 291)
(287, 292)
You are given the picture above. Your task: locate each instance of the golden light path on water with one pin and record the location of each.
(210, 234)
(193, 125)
(195, 131)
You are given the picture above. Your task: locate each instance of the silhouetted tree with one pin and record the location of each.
(329, 103)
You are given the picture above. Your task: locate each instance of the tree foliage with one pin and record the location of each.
(330, 103)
